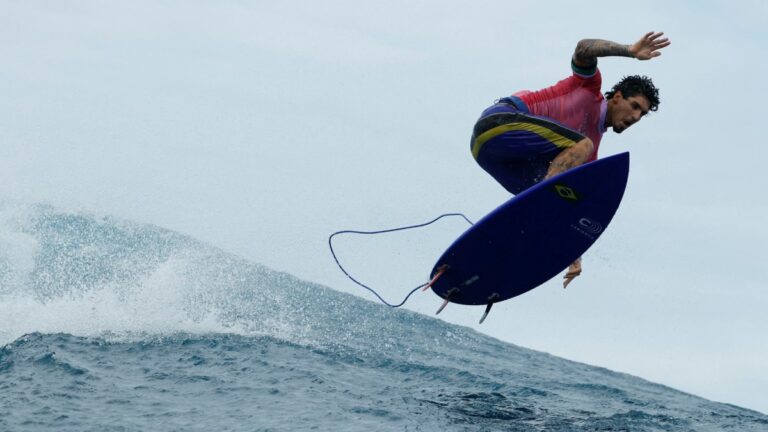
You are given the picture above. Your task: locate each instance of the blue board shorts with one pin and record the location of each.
(516, 147)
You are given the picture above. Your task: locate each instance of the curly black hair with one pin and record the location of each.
(634, 85)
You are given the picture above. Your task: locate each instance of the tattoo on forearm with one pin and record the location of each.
(588, 50)
(562, 164)
(567, 159)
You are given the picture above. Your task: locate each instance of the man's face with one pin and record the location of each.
(623, 112)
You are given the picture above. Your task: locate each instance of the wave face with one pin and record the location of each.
(110, 325)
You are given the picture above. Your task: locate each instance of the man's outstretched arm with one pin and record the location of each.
(588, 50)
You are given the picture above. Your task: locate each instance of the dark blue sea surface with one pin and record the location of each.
(107, 325)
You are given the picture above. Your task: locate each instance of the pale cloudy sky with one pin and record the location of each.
(262, 127)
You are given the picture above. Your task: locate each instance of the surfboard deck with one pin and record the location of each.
(533, 236)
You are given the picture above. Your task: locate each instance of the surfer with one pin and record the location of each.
(533, 135)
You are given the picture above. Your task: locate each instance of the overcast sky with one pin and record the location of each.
(262, 127)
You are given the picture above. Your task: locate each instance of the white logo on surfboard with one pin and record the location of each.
(591, 226)
(588, 227)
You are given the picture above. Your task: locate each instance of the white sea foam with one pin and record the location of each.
(88, 276)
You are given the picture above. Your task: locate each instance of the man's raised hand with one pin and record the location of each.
(649, 45)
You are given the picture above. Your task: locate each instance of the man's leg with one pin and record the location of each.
(516, 148)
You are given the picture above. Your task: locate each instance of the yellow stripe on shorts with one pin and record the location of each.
(555, 138)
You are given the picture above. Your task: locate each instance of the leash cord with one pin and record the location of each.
(335, 258)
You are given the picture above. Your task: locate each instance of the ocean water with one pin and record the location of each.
(107, 325)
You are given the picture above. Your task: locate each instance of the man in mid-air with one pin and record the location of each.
(531, 136)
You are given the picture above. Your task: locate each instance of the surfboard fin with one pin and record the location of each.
(491, 300)
(439, 273)
(447, 300)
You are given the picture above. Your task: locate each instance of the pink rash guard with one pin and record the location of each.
(575, 102)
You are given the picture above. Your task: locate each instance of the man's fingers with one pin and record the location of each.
(650, 48)
(652, 40)
(654, 35)
(571, 275)
(568, 280)
(573, 270)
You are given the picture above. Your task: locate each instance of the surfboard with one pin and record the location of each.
(533, 236)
